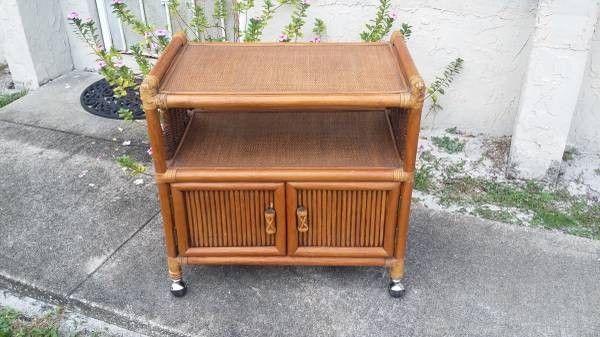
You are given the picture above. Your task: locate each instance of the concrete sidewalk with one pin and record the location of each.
(75, 229)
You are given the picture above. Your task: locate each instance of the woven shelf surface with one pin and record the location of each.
(351, 139)
(351, 68)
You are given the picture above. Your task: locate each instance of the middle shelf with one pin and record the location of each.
(288, 140)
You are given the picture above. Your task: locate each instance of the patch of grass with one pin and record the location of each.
(597, 171)
(454, 169)
(453, 130)
(6, 99)
(131, 165)
(427, 156)
(13, 324)
(7, 318)
(432, 161)
(448, 144)
(495, 215)
(550, 209)
(553, 218)
(424, 179)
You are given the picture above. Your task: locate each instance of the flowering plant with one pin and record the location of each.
(110, 62)
(381, 25)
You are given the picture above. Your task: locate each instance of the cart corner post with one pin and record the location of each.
(413, 111)
(148, 94)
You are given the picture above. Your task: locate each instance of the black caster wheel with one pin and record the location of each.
(396, 289)
(178, 288)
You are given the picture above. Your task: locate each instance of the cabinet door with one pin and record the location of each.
(342, 219)
(229, 219)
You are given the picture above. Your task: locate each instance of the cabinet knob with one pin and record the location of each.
(302, 213)
(270, 220)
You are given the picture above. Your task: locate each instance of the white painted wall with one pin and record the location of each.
(37, 48)
(2, 57)
(81, 55)
(21, 64)
(490, 35)
(585, 127)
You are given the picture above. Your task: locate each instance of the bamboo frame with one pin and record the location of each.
(173, 182)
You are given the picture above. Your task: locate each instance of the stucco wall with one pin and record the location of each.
(585, 126)
(80, 53)
(2, 57)
(490, 35)
(39, 49)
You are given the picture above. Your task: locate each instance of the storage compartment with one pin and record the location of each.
(341, 219)
(230, 218)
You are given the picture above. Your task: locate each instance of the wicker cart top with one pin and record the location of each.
(277, 75)
(281, 69)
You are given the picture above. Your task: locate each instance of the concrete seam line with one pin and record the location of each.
(88, 276)
(117, 318)
(66, 132)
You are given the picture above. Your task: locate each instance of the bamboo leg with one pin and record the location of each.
(175, 272)
(148, 92)
(165, 210)
(397, 270)
(178, 287)
(413, 124)
(403, 220)
(396, 288)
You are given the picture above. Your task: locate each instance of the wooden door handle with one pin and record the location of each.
(270, 220)
(302, 213)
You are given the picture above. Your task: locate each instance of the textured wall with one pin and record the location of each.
(491, 35)
(2, 57)
(48, 43)
(39, 48)
(80, 53)
(585, 127)
(561, 46)
(21, 64)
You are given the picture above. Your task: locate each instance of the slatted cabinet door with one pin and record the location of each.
(229, 219)
(342, 219)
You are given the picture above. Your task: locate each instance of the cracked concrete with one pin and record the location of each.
(85, 216)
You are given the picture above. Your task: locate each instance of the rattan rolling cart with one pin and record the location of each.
(284, 154)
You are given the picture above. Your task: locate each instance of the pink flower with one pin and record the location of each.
(316, 39)
(101, 64)
(118, 63)
(394, 16)
(149, 151)
(73, 15)
(154, 46)
(117, 2)
(161, 32)
(283, 38)
(88, 20)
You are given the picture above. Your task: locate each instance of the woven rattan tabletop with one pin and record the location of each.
(281, 69)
